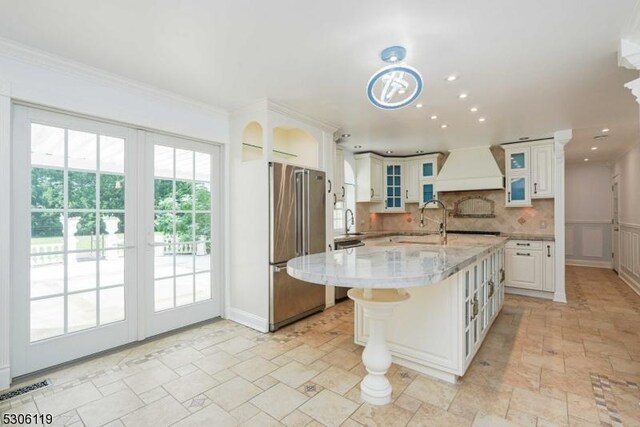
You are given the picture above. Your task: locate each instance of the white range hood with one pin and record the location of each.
(469, 169)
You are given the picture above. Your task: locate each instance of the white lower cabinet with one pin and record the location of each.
(441, 327)
(530, 265)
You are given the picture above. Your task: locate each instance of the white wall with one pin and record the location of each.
(626, 172)
(588, 212)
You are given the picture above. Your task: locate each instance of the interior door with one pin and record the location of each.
(183, 232)
(73, 207)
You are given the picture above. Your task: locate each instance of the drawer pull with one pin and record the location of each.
(523, 254)
(372, 193)
(548, 251)
(330, 186)
(523, 244)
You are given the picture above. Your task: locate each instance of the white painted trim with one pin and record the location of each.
(265, 104)
(575, 221)
(247, 319)
(5, 233)
(530, 293)
(588, 263)
(630, 281)
(561, 138)
(629, 54)
(5, 377)
(23, 53)
(629, 225)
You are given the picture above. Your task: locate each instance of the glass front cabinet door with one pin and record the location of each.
(393, 186)
(518, 174)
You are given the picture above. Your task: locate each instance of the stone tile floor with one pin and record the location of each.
(541, 364)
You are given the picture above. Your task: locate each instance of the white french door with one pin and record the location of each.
(183, 232)
(113, 236)
(73, 224)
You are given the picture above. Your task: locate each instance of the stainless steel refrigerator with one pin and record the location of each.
(297, 200)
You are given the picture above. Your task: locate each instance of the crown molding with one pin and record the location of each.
(629, 54)
(563, 136)
(634, 87)
(26, 54)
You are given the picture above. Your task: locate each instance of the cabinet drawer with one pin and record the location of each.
(524, 244)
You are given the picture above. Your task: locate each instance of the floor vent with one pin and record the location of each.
(24, 390)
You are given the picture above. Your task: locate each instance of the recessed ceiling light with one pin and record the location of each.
(389, 152)
(418, 105)
(605, 130)
(346, 135)
(443, 126)
(481, 119)
(357, 147)
(594, 148)
(473, 109)
(434, 117)
(586, 160)
(463, 95)
(419, 151)
(452, 78)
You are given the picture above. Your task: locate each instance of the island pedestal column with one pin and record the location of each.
(378, 305)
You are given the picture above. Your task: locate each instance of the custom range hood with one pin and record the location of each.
(469, 169)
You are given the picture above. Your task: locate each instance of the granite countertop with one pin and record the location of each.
(374, 234)
(392, 265)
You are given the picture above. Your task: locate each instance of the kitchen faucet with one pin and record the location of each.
(346, 220)
(443, 224)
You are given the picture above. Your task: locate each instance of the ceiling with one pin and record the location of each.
(531, 68)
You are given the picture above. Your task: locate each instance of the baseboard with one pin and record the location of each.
(5, 377)
(589, 263)
(529, 292)
(247, 319)
(630, 281)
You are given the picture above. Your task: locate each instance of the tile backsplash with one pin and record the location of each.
(537, 219)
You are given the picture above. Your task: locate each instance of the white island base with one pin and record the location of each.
(441, 327)
(377, 306)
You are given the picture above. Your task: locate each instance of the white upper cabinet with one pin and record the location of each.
(412, 180)
(529, 172)
(369, 178)
(338, 175)
(542, 171)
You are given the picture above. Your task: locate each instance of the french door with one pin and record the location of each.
(112, 236)
(184, 244)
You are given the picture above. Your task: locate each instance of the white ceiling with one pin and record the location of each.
(530, 67)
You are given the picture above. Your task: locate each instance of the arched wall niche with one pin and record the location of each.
(252, 142)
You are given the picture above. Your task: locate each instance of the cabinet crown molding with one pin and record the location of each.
(563, 136)
(629, 54)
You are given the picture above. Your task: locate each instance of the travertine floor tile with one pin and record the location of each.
(279, 401)
(432, 391)
(112, 407)
(160, 413)
(337, 380)
(329, 408)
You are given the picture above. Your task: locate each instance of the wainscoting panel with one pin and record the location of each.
(630, 254)
(588, 243)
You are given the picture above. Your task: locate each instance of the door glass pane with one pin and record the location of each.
(517, 189)
(47, 146)
(47, 318)
(517, 161)
(75, 246)
(111, 305)
(47, 188)
(427, 192)
(81, 311)
(182, 227)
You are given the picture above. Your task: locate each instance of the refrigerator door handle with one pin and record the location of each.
(299, 211)
(305, 213)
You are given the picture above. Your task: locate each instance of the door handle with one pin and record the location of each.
(548, 251)
(330, 186)
(535, 188)
(406, 194)
(509, 196)
(343, 192)
(335, 200)
(372, 193)
(330, 247)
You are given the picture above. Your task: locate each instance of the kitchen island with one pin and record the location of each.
(456, 291)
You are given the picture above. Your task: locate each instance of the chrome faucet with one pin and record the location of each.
(347, 227)
(443, 224)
